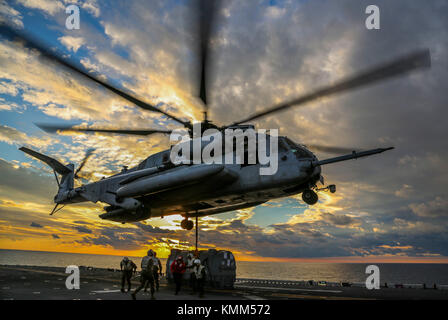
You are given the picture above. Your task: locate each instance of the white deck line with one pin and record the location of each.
(289, 289)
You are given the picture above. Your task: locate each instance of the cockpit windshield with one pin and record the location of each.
(299, 151)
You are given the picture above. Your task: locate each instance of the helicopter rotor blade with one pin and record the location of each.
(207, 9)
(50, 55)
(398, 67)
(83, 162)
(50, 128)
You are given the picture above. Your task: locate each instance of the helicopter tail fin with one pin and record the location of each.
(66, 171)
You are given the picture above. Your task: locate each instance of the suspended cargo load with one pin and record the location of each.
(220, 267)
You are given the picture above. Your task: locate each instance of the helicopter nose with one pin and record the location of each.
(317, 171)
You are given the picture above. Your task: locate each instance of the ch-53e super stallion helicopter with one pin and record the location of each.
(157, 187)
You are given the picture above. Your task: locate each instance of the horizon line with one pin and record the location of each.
(348, 259)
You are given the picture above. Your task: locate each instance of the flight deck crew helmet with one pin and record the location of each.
(150, 252)
(180, 258)
(197, 261)
(125, 259)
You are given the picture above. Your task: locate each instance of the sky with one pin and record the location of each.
(388, 208)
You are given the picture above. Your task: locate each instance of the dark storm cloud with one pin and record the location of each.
(115, 239)
(151, 229)
(20, 184)
(35, 225)
(433, 209)
(320, 239)
(80, 222)
(55, 236)
(237, 225)
(339, 219)
(126, 238)
(82, 229)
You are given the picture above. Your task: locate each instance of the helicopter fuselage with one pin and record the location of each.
(156, 189)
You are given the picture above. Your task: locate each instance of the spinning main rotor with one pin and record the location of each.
(207, 9)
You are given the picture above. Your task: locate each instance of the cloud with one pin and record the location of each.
(55, 236)
(92, 7)
(8, 88)
(340, 219)
(82, 229)
(405, 191)
(23, 184)
(35, 225)
(8, 14)
(435, 208)
(13, 136)
(48, 6)
(149, 228)
(72, 43)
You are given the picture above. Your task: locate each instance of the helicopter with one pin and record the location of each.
(158, 187)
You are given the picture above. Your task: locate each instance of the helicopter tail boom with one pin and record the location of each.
(353, 155)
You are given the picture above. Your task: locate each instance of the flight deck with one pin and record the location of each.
(48, 283)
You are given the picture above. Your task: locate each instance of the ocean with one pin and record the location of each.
(332, 272)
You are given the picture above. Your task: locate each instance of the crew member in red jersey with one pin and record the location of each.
(178, 269)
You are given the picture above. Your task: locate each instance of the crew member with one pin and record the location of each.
(199, 276)
(127, 269)
(157, 269)
(178, 269)
(189, 264)
(147, 275)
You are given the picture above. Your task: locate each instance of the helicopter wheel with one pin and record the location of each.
(310, 197)
(187, 224)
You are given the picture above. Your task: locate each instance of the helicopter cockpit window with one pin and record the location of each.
(299, 151)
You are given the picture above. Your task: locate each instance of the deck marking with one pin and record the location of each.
(290, 289)
(106, 291)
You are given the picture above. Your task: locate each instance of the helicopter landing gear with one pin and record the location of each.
(331, 188)
(187, 224)
(309, 196)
